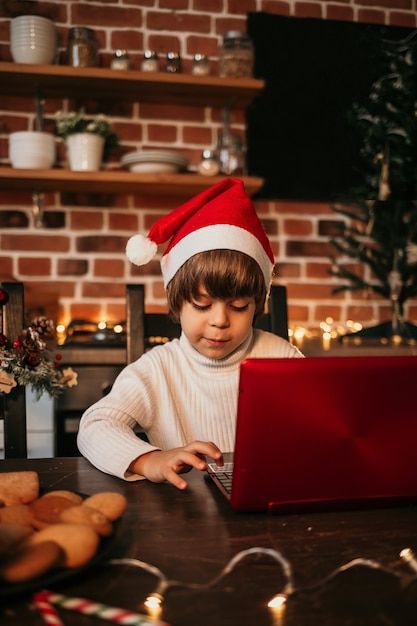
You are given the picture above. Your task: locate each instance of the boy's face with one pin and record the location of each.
(217, 327)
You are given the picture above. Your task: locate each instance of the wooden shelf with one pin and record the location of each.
(113, 181)
(61, 81)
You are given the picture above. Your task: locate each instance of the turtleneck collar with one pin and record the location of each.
(230, 362)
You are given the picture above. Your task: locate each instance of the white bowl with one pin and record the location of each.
(32, 150)
(33, 40)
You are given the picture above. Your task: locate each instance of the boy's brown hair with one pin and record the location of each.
(223, 273)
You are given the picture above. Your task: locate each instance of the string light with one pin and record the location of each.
(408, 556)
(277, 603)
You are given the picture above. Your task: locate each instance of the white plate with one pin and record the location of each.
(154, 168)
(154, 156)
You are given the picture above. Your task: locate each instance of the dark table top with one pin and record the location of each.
(192, 535)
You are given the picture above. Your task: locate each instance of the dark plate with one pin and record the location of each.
(55, 576)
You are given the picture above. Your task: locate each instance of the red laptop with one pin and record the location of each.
(324, 433)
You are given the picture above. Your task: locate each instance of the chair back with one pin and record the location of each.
(145, 330)
(276, 319)
(13, 404)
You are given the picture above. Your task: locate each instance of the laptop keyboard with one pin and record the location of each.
(224, 474)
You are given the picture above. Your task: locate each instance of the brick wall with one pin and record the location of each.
(75, 262)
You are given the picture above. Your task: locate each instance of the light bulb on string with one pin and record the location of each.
(409, 557)
(277, 606)
(153, 605)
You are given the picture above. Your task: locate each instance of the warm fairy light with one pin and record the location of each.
(60, 334)
(277, 601)
(299, 333)
(409, 557)
(353, 326)
(101, 325)
(153, 604)
(118, 328)
(277, 606)
(326, 339)
(298, 336)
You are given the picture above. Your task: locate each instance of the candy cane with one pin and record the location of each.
(104, 611)
(50, 616)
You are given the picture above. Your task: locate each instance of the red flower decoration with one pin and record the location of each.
(4, 297)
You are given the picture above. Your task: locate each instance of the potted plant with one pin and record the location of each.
(87, 140)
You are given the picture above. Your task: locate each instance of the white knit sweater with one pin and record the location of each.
(176, 395)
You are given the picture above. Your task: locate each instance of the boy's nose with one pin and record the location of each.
(219, 315)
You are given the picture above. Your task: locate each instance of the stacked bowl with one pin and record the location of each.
(154, 161)
(32, 150)
(33, 40)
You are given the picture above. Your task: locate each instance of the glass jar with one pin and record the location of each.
(236, 55)
(150, 61)
(201, 65)
(120, 60)
(173, 65)
(82, 50)
(230, 154)
(209, 165)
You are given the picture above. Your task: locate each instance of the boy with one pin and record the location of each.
(217, 271)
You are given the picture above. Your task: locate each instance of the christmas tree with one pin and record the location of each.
(381, 232)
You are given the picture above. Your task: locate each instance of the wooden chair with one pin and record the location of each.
(276, 319)
(145, 330)
(141, 326)
(13, 405)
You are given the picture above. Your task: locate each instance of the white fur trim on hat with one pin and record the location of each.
(140, 250)
(216, 237)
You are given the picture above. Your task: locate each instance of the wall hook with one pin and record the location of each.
(37, 208)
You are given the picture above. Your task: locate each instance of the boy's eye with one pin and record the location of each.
(200, 307)
(240, 309)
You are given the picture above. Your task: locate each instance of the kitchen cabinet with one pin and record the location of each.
(57, 81)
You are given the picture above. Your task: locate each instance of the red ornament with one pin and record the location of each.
(33, 361)
(16, 343)
(4, 297)
(3, 340)
(58, 357)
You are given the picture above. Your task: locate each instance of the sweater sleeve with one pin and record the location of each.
(107, 432)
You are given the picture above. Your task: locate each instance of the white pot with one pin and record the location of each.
(32, 150)
(85, 152)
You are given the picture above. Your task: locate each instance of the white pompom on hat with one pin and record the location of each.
(221, 217)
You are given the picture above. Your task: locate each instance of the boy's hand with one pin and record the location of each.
(159, 466)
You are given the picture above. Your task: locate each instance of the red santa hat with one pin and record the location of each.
(221, 217)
